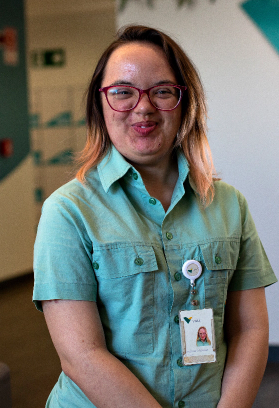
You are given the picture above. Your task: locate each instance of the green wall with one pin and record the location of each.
(13, 89)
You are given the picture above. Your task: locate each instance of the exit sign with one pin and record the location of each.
(48, 58)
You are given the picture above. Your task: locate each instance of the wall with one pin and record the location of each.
(81, 30)
(56, 110)
(240, 72)
(16, 169)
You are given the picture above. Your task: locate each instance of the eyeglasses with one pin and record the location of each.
(123, 98)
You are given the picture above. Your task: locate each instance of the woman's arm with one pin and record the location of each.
(246, 325)
(78, 337)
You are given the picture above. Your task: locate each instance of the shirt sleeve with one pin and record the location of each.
(62, 254)
(253, 269)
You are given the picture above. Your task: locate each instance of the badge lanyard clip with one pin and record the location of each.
(192, 269)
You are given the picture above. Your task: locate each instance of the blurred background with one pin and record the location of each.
(48, 51)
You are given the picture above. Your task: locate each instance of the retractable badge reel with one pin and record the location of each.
(192, 270)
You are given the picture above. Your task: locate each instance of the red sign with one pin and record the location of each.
(6, 147)
(9, 41)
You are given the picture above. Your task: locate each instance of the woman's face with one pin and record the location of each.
(202, 334)
(144, 135)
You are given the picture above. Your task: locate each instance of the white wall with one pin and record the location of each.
(17, 221)
(240, 72)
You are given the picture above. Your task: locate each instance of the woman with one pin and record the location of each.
(202, 337)
(112, 242)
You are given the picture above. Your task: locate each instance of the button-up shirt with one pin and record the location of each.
(109, 241)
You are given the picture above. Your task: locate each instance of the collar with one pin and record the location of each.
(183, 167)
(113, 167)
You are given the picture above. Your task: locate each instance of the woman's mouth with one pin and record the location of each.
(144, 128)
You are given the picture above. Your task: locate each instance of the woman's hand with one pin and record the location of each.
(246, 324)
(77, 334)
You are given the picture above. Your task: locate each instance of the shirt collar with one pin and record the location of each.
(113, 167)
(183, 167)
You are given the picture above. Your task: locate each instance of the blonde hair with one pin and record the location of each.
(198, 336)
(192, 135)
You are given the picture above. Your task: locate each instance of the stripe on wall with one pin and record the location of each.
(265, 14)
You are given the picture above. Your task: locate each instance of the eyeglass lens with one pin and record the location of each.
(125, 98)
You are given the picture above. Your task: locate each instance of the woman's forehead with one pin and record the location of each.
(137, 59)
(128, 50)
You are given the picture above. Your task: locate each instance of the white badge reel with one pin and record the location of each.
(192, 270)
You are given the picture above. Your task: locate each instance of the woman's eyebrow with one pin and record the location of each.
(122, 83)
(163, 82)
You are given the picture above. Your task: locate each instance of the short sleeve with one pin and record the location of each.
(253, 269)
(62, 254)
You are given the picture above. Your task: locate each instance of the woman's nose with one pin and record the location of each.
(144, 105)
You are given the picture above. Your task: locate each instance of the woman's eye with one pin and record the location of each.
(163, 92)
(120, 92)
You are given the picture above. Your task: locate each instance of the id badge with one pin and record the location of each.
(197, 336)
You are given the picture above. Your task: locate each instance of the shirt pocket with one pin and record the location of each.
(220, 259)
(125, 276)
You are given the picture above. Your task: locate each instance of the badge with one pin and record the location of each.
(197, 336)
(196, 326)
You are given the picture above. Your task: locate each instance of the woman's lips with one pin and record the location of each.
(144, 128)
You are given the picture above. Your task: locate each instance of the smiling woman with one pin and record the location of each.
(144, 135)
(191, 134)
(112, 244)
(202, 337)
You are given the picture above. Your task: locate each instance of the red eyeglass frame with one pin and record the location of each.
(182, 89)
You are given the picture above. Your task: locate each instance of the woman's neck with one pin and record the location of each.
(160, 180)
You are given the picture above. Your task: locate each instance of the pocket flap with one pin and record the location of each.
(220, 254)
(120, 260)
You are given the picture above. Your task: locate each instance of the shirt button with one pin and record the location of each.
(135, 176)
(218, 259)
(194, 302)
(95, 265)
(179, 362)
(169, 236)
(181, 404)
(177, 276)
(176, 319)
(138, 261)
(152, 201)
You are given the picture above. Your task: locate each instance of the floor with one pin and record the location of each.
(268, 395)
(26, 347)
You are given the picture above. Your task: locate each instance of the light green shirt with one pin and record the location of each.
(109, 241)
(201, 343)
